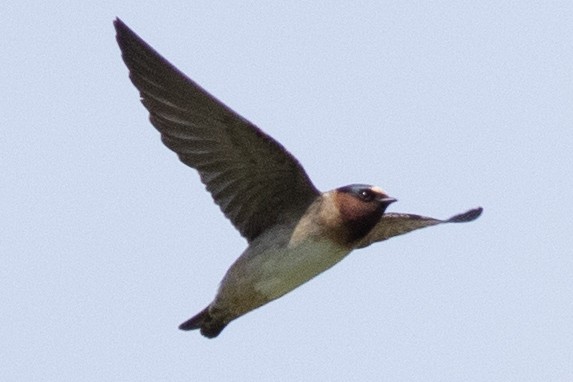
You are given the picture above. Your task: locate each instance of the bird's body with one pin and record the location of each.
(294, 231)
(270, 268)
(282, 258)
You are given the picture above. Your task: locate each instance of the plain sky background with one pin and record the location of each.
(108, 242)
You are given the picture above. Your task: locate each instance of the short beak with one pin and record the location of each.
(387, 200)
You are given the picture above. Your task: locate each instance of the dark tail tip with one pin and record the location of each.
(203, 320)
(196, 321)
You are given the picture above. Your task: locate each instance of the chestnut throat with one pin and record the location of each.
(360, 227)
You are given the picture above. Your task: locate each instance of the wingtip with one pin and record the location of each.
(467, 216)
(121, 27)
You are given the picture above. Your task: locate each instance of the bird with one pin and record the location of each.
(294, 232)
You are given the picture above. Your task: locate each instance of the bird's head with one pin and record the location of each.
(360, 207)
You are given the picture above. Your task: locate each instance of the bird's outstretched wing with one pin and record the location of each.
(394, 224)
(254, 180)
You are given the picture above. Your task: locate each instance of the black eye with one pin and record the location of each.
(366, 195)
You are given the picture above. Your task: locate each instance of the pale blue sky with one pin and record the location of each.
(108, 242)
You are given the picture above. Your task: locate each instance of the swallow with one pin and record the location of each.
(294, 231)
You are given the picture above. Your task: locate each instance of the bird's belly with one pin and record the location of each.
(286, 269)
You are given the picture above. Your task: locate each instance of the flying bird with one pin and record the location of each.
(294, 231)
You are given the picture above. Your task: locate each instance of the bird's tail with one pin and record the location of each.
(210, 328)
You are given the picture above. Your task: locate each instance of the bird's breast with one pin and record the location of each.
(284, 269)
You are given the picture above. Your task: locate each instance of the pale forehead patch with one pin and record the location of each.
(378, 190)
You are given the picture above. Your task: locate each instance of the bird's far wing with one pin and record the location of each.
(253, 179)
(394, 224)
